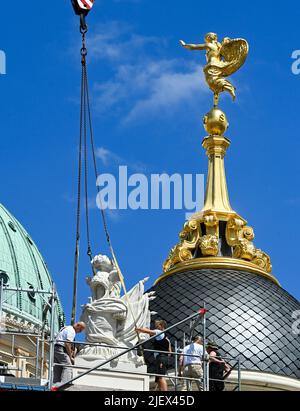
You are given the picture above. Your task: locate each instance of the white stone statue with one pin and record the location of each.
(109, 317)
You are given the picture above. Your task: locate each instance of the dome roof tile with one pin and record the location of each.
(257, 329)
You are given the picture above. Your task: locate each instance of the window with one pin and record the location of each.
(3, 368)
(12, 226)
(31, 294)
(4, 277)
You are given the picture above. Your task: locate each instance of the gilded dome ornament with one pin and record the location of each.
(223, 59)
(217, 236)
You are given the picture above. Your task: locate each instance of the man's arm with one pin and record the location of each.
(213, 358)
(146, 331)
(181, 365)
(170, 347)
(68, 347)
(193, 46)
(227, 368)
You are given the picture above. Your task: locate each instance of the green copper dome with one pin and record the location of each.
(22, 266)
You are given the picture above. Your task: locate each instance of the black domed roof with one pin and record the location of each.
(249, 316)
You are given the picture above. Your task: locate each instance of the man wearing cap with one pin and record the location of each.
(191, 362)
(63, 355)
(218, 368)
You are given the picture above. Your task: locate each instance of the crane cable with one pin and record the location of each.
(78, 213)
(104, 221)
(85, 115)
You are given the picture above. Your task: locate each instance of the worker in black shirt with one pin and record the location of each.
(218, 368)
(161, 343)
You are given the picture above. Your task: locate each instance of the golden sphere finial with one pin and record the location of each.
(215, 122)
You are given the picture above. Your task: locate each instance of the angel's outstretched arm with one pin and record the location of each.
(193, 46)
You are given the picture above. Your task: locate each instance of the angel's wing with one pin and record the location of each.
(234, 52)
(138, 314)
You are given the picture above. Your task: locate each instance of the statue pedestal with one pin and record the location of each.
(122, 377)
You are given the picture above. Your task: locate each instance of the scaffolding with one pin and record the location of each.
(41, 340)
(204, 360)
(176, 381)
(44, 342)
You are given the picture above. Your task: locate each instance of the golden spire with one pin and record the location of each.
(217, 237)
(216, 145)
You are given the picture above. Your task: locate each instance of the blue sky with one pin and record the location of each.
(148, 102)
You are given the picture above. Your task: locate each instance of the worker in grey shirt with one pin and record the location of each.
(63, 356)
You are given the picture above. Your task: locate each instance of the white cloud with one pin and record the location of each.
(152, 87)
(108, 157)
(167, 91)
(116, 41)
(143, 83)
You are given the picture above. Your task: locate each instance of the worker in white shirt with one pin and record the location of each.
(63, 355)
(191, 362)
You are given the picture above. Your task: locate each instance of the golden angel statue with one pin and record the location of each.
(223, 59)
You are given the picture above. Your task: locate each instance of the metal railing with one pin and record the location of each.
(42, 347)
(174, 376)
(204, 360)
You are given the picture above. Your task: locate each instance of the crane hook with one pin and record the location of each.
(82, 9)
(82, 6)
